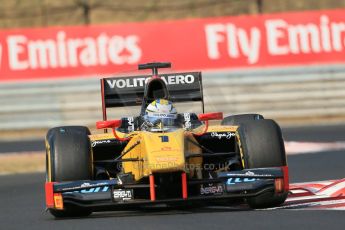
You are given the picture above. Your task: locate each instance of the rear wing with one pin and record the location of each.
(129, 91)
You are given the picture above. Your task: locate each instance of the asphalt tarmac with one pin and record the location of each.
(22, 201)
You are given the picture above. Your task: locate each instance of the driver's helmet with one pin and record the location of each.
(161, 114)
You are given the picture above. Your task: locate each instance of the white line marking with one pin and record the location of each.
(306, 198)
(293, 147)
(312, 205)
(333, 189)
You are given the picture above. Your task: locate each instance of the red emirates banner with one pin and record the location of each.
(303, 38)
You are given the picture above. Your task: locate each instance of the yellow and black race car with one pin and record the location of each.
(176, 159)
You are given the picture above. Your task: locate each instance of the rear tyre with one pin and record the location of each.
(68, 158)
(241, 118)
(263, 146)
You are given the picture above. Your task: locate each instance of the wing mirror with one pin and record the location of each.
(210, 116)
(113, 124)
(207, 117)
(108, 124)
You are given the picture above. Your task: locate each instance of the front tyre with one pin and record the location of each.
(241, 118)
(68, 158)
(262, 146)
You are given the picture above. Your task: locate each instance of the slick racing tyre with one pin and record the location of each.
(68, 158)
(241, 118)
(263, 146)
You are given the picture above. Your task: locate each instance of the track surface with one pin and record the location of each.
(22, 201)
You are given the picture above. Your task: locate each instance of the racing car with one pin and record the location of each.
(163, 157)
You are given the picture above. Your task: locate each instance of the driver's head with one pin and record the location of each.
(161, 112)
(161, 106)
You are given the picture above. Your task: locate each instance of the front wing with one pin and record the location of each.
(106, 195)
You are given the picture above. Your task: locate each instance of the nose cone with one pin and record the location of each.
(164, 151)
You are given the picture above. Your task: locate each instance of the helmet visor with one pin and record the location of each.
(161, 121)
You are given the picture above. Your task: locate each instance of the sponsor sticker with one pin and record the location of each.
(86, 185)
(166, 159)
(238, 180)
(163, 115)
(122, 83)
(187, 123)
(166, 148)
(90, 190)
(95, 143)
(227, 135)
(121, 195)
(130, 124)
(211, 189)
(249, 174)
(164, 138)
